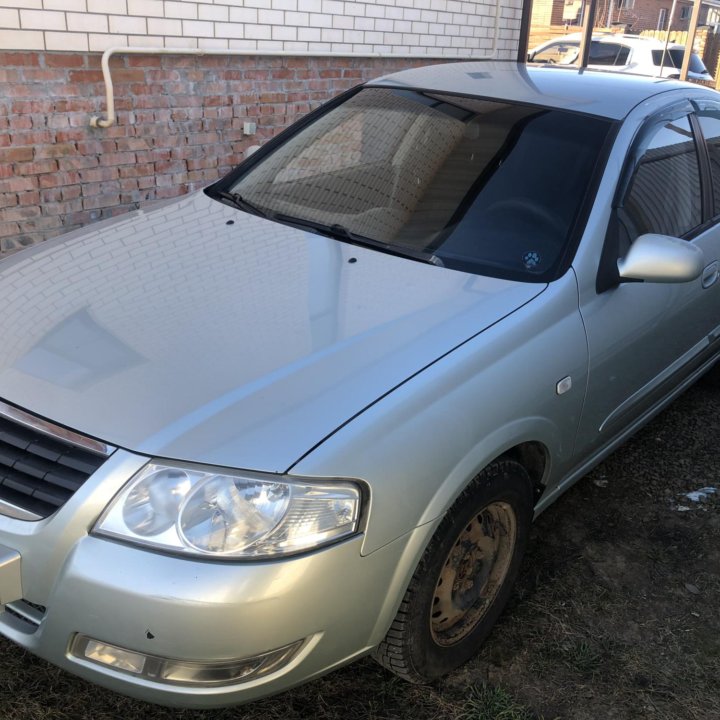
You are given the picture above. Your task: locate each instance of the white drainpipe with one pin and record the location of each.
(97, 121)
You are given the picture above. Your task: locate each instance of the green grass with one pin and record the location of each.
(493, 703)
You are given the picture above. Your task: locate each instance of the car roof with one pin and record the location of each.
(634, 41)
(594, 92)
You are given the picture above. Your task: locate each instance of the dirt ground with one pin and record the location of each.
(616, 615)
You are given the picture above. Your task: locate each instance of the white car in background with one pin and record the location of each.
(622, 53)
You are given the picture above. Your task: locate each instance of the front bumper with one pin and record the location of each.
(336, 601)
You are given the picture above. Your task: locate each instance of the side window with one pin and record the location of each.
(710, 125)
(664, 192)
(560, 53)
(604, 53)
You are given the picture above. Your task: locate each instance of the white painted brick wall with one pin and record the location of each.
(9, 18)
(448, 27)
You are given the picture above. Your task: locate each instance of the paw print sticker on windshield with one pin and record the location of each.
(531, 260)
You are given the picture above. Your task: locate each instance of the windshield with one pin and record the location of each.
(477, 185)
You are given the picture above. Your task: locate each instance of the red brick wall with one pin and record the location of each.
(180, 126)
(643, 15)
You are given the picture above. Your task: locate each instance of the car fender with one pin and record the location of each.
(419, 446)
(531, 429)
(540, 430)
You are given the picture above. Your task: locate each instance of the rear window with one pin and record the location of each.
(674, 59)
(486, 187)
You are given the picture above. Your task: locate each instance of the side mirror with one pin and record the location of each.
(663, 259)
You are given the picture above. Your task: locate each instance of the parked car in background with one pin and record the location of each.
(622, 53)
(309, 413)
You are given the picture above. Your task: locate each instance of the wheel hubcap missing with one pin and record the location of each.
(473, 573)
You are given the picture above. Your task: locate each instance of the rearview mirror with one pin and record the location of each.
(663, 259)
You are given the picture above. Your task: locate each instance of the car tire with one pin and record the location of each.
(456, 594)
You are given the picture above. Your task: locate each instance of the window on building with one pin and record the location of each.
(662, 19)
(685, 12)
(625, 4)
(713, 16)
(571, 11)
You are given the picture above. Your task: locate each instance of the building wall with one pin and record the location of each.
(180, 119)
(180, 126)
(309, 25)
(306, 25)
(639, 15)
(635, 15)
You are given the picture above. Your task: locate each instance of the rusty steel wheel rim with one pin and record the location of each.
(473, 573)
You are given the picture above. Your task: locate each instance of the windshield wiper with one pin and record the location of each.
(336, 230)
(340, 232)
(400, 250)
(242, 204)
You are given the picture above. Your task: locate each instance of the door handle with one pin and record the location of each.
(710, 275)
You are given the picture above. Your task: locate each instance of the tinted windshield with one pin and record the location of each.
(485, 187)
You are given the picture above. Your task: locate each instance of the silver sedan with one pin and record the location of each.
(309, 413)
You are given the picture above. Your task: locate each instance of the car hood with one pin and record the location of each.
(198, 332)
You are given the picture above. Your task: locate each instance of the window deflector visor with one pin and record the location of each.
(640, 145)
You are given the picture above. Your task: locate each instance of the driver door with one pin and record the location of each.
(647, 338)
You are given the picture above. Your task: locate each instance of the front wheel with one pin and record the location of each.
(464, 578)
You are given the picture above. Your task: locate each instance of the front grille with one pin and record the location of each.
(40, 473)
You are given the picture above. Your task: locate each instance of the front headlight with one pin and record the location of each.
(201, 511)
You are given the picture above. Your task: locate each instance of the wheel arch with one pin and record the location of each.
(416, 646)
(532, 442)
(534, 457)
